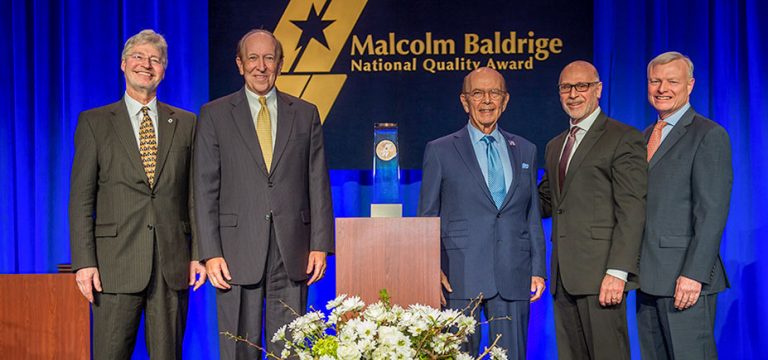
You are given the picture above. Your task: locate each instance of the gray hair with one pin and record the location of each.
(278, 45)
(147, 36)
(669, 57)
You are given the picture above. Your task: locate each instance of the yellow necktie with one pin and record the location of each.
(148, 145)
(264, 132)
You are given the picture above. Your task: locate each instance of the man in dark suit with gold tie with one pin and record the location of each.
(129, 211)
(594, 188)
(263, 200)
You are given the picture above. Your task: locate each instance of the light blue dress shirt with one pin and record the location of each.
(482, 159)
(672, 120)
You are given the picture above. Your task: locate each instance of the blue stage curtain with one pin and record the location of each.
(728, 43)
(57, 59)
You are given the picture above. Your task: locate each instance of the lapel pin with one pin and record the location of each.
(170, 121)
(512, 143)
(525, 165)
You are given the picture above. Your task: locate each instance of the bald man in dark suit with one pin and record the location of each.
(263, 200)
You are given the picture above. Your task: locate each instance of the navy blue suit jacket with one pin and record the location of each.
(484, 249)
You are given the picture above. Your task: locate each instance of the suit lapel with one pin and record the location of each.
(241, 114)
(463, 144)
(121, 123)
(673, 137)
(166, 128)
(553, 161)
(590, 139)
(514, 159)
(285, 117)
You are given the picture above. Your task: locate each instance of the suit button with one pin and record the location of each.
(498, 215)
(152, 195)
(270, 184)
(268, 217)
(559, 211)
(150, 227)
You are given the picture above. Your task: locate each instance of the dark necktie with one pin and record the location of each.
(496, 183)
(563, 166)
(148, 146)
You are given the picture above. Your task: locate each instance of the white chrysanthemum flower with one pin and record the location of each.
(327, 357)
(464, 356)
(285, 353)
(348, 351)
(279, 334)
(376, 312)
(498, 353)
(336, 302)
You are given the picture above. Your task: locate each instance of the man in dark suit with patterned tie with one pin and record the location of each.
(594, 188)
(481, 182)
(262, 199)
(689, 190)
(129, 211)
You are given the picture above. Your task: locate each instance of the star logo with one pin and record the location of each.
(312, 28)
(313, 33)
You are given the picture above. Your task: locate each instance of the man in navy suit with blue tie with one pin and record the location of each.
(481, 182)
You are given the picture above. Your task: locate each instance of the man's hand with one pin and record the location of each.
(611, 290)
(687, 292)
(196, 268)
(537, 287)
(446, 285)
(218, 273)
(316, 266)
(88, 280)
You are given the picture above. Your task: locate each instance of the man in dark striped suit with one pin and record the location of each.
(129, 211)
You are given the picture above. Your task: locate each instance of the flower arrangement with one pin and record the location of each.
(379, 331)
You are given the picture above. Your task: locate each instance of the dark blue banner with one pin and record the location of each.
(404, 61)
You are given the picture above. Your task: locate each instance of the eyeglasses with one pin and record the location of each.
(142, 58)
(580, 87)
(494, 94)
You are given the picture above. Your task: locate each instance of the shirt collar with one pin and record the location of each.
(254, 97)
(475, 135)
(134, 107)
(677, 115)
(588, 121)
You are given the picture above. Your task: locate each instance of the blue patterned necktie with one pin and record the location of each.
(496, 183)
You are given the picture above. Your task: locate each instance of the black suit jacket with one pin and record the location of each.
(598, 217)
(236, 197)
(114, 215)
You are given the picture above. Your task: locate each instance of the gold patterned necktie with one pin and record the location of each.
(655, 140)
(148, 145)
(264, 132)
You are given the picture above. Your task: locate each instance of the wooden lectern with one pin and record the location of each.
(44, 316)
(401, 255)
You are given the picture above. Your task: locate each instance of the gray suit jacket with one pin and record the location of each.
(114, 215)
(689, 191)
(236, 198)
(598, 218)
(484, 249)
